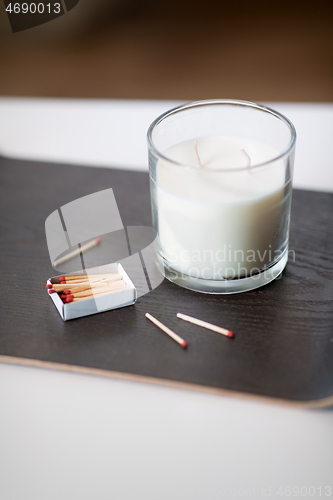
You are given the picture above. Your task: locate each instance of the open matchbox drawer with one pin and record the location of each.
(97, 304)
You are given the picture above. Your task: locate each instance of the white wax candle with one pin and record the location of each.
(222, 219)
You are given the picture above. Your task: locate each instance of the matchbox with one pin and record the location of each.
(98, 302)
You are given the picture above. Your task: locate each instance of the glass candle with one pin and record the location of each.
(221, 184)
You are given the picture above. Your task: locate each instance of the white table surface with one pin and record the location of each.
(79, 437)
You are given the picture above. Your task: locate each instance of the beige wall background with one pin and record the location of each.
(187, 50)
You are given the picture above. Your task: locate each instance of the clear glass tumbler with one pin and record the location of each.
(221, 184)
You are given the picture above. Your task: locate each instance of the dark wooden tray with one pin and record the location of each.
(283, 345)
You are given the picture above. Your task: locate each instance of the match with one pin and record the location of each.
(75, 298)
(84, 289)
(90, 277)
(204, 324)
(167, 330)
(96, 291)
(82, 286)
(76, 252)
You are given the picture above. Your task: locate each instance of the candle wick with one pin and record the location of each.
(197, 153)
(247, 157)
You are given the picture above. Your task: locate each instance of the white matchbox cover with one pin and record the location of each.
(114, 300)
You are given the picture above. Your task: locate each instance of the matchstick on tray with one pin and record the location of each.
(204, 324)
(190, 319)
(167, 330)
(76, 252)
